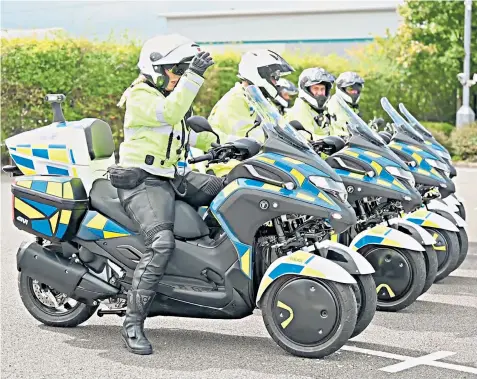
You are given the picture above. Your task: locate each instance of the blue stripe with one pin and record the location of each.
(13, 148)
(39, 185)
(61, 230)
(40, 153)
(57, 146)
(42, 226)
(285, 268)
(416, 221)
(57, 171)
(368, 240)
(265, 41)
(111, 226)
(25, 162)
(72, 157)
(309, 259)
(181, 164)
(43, 208)
(24, 145)
(389, 231)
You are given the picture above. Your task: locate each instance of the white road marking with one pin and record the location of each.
(427, 360)
(413, 362)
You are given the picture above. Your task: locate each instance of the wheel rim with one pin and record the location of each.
(441, 248)
(306, 312)
(51, 301)
(393, 273)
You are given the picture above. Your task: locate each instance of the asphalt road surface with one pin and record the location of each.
(434, 338)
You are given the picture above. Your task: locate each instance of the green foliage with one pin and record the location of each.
(442, 127)
(464, 142)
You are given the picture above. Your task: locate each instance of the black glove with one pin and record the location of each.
(201, 62)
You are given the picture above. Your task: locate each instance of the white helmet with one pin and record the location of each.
(173, 52)
(312, 76)
(263, 68)
(349, 79)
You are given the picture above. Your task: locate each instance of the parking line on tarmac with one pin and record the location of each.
(409, 362)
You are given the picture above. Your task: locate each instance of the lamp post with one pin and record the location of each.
(465, 115)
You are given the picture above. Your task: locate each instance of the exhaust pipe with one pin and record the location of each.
(61, 274)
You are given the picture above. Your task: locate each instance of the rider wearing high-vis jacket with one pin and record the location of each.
(314, 90)
(348, 86)
(232, 115)
(150, 176)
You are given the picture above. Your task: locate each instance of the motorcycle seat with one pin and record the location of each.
(104, 198)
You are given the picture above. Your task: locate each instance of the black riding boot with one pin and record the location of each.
(139, 302)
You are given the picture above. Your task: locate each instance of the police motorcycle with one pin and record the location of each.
(453, 201)
(432, 176)
(380, 186)
(239, 256)
(299, 228)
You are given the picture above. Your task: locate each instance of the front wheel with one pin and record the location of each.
(464, 247)
(366, 298)
(430, 257)
(309, 317)
(51, 307)
(447, 249)
(399, 275)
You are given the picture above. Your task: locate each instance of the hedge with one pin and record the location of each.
(93, 75)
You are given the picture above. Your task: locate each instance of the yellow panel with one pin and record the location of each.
(58, 155)
(291, 160)
(377, 167)
(420, 213)
(27, 209)
(334, 237)
(414, 148)
(384, 183)
(390, 291)
(26, 170)
(24, 151)
(298, 176)
(379, 229)
(390, 242)
(40, 146)
(230, 188)
(302, 196)
(54, 221)
(113, 235)
(245, 263)
(397, 183)
(264, 285)
(396, 146)
(417, 157)
(55, 189)
(322, 196)
(75, 173)
(298, 257)
(352, 153)
(285, 323)
(265, 159)
(430, 224)
(67, 191)
(271, 187)
(97, 222)
(355, 175)
(65, 217)
(423, 172)
(24, 183)
(371, 154)
(312, 272)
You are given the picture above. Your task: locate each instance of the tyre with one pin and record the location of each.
(430, 258)
(400, 275)
(463, 239)
(366, 299)
(39, 299)
(309, 317)
(447, 249)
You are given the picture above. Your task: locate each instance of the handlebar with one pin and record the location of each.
(201, 158)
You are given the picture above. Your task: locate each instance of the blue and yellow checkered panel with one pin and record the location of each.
(61, 158)
(62, 187)
(96, 227)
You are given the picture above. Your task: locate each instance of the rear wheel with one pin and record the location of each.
(464, 246)
(430, 258)
(51, 307)
(366, 298)
(399, 275)
(309, 317)
(447, 249)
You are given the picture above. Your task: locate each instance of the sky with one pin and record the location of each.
(141, 19)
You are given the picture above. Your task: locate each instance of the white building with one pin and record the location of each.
(324, 27)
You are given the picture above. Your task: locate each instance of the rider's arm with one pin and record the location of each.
(162, 111)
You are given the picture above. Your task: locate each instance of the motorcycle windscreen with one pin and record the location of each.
(400, 124)
(414, 123)
(274, 124)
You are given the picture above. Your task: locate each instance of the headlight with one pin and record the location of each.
(337, 189)
(403, 174)
(438, 164)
